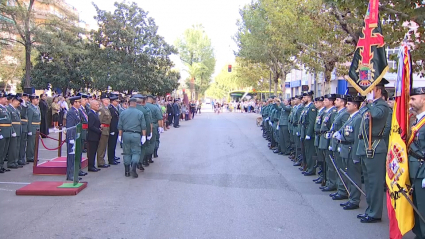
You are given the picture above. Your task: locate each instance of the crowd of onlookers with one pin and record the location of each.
(245, 106)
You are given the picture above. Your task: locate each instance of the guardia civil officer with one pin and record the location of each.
(105, 121)
(141, 105)
(308, 120)
(340, 119)
(113, 130)
(161, 126)
(324, 142)
(284, 142)
(5, 130)
(318, 102)
(157, 126)
(297, 131)
(72, 120)
(349, 141)
(387, 129)
(23, 108)
(132, 134)
(85, 125)
(416, 158)
(15, 114)
(34, 119)
(373, 160)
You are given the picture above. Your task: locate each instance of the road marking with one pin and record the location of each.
(2, 189)
(17, 183)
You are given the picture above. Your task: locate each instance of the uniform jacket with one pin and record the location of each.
(340, 119)
(308, 119)
(328, 119)
(418, 147)
(317, 125)
(23, 108)
(84, 120)
(379, 111)
(132, 119)
(284, 114)
(176, 109)
(148, 117)
(72, 119)
(114, 121)
(297, 120)
(388, 126)
(5, 118)
(105, 118)
(349, 137)
(93, 132)
(156, 113)
(34, 116)
(170, 110)
(16, 120)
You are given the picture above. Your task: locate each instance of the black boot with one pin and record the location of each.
(133, 170)
(140, 166)
(145, 161)
(150, 159)
(127, 170)
(155, 153)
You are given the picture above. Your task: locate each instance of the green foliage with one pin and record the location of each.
(197, 54)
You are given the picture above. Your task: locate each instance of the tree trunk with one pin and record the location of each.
(27, 65)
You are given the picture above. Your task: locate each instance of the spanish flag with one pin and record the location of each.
(400, 212)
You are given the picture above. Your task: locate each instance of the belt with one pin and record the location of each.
(5, 125)
(85, 126)
(131, 131)
(345, 142)
(36, 123)
(16, 123)
(105, 125)
(373, 137)
(24, 120)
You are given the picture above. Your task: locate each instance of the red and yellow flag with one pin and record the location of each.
(400, 212)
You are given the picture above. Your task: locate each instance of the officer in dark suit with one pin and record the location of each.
(113, 130)
(170, 112)
(416, 159)
(72, 120)
(373, 160)
(84, 122)
(93, 135)
(176, 110)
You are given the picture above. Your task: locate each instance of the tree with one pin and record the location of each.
(11, 64)
(22, 28)
(127, 52)
(197, 54)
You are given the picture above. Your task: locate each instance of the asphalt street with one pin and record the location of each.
(214, 178)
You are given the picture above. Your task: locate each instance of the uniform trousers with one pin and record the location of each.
(176, 120)
(153, 140)
(70, 159)
(374, 180)
(112, 144)
(284, 142)
(144, 150)
(101, 149)
(340, 163)
(309, 153)
(354, 170)
(23, 146)
(131, 147)
(30, 148)
(91, 153)
(419, 202)
(13, 153)
(4, 146)
(330, 170)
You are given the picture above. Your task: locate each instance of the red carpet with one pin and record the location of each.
(48, 189)
(56, 166)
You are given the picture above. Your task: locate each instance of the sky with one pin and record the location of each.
(173, 17)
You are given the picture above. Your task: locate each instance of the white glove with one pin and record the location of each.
(1, 136)
(29, 133)
(71, 141)
(277, 127)
(298, 134)
(143, 139)
(270, 123)
(150, 136)
(13, 134)
(160, 130)
(120, 139)
(330, 148)
(328, 135)
(339, 149)
(113, 133)
(307, 137)
(337, 135)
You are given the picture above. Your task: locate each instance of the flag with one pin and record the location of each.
(400, 212)
(369, 63)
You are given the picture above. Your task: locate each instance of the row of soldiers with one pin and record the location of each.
(137, 129)
(330, 136)
(20, 119)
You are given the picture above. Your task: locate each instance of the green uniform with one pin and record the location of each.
(307, 135)
(105, 118)
(13, 153)
(34, 119)
(23, 108)
(387, 129)
(324, 143)
(131, 122)
(417, 177)
(340, 119)
(6, 131)
(291, 127)
(297, 131)
(373, 167)
(148, 120)
(350, 161)
(284, 141)
(156, 116)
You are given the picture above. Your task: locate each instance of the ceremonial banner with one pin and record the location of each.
(369, 63)
(400, 212)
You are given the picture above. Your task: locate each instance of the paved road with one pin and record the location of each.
(214, 178)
